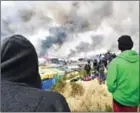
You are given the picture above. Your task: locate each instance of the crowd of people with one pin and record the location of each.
(21, 83)
(99, 65)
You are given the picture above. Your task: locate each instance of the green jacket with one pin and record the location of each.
(123, 78)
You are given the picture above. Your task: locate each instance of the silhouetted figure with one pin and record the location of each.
(88, 68)
(20, 80)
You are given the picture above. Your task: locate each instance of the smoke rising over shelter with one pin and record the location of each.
(71, 28)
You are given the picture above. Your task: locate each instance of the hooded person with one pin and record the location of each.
(123, 77)
(20, 80)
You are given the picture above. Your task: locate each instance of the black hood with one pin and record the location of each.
(19, 61)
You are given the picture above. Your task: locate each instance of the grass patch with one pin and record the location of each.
(82, 73)
(70, 76)
(60, 85)
(92, 69)
(108, 108)
(87, 108)
(77, 89)
(105, 94)
(99, 106)
(84, 96)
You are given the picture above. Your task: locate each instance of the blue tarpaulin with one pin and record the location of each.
(47, 84)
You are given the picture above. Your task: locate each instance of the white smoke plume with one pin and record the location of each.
(71, 28)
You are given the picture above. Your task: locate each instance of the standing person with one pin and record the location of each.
(101, 72)
(88, 68)
(107, 57)
(21, 82)
(123, 77)
(95, 65)
(110, 57)
(105, 62)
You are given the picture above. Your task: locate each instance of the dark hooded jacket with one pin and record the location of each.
(20, 80)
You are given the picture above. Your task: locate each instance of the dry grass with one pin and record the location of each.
(82, 73)
(108, 108)
(71, 75)
(60, 85)
(77, 89)
(86, 96)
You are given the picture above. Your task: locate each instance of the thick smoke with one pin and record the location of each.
(69, 28)
(58, 37)
(86, 47)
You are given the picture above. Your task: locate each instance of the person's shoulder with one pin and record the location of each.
(55, 100)
(46, 95)
(23, 99)
(31, 99)
(53, 94)
(114, 62)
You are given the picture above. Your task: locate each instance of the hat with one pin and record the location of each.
(125, 43)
